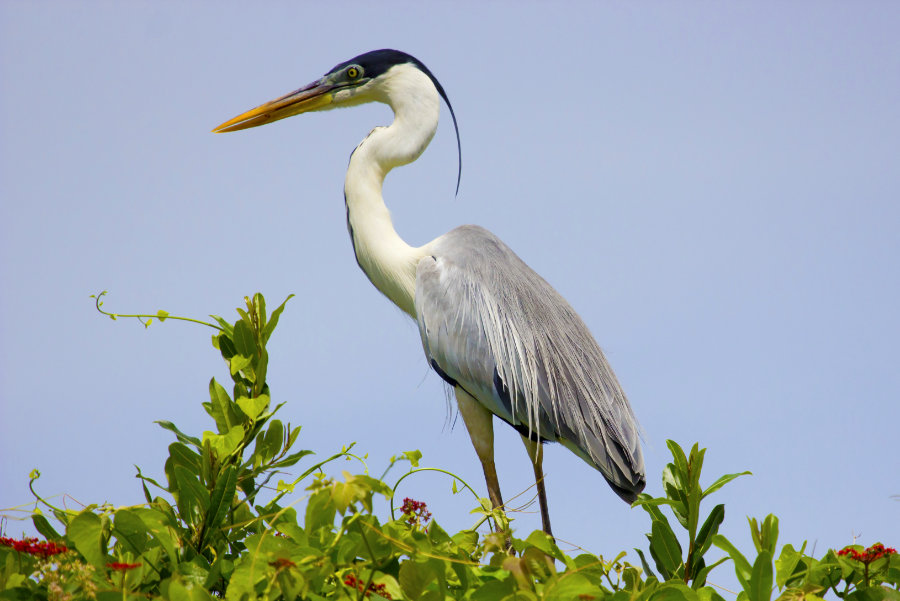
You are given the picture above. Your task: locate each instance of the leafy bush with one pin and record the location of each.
(207, 532)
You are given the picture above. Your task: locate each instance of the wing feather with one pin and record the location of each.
(494, 326)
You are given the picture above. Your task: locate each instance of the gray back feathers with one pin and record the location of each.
(494, 327)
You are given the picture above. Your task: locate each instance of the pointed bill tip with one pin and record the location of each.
(313, 97)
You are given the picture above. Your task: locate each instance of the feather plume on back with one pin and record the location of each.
(500, 331)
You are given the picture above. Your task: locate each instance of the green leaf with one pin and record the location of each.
(195, 572)
(131, 531)
(192, 497)
(414, 577)
(85, 532)
(253, 407)
(144, 479)
(181, 591)
(269, 444)
(695, 464)
(645, 564)
(42, 525)
(698, 579)
(708, 530)
(645, 499)
(591, 567)
(357, 488)
(765, 535)
(786, 565)
(221, 498)
(539, 564)
(494, 590)
(225, 444)
(259, 302)
(874, 593)
(293, 437)
(260, 369)
(742, 567)
(413, 457)
(209, 463)
(181, 436)
(674, 591)
(239, 362)
(676, 490)
(225, 345)
(180, 454)
(243, 339)
(226, 327)
(768, 534)
(755, 533)
(665, 549)
(245, 317)
(651, 504)
(693, 507)
(722, 482)
(242, 584)
(162, 315)
(294, 585)
(220, 408)
(437, 535)
(320, 512)
(679, 458)
(544, 542)
(273, 319)
(291, 459)
(827, 572)
(570, 585)
(761, 578)
(160, 528)
(708, 593)
(12, 589)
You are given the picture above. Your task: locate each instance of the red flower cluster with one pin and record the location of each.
(282, 563)
(33, 546)
(876, 551)
(379, 589)
(122, 567)
(416, 512)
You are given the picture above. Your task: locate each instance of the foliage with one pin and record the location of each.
(207, 533)
(681, 482)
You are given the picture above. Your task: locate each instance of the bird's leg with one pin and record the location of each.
(536, 453)
(479, 423)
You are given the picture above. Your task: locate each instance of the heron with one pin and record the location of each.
(504, 339)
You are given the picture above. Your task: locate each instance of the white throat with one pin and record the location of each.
(388, 261)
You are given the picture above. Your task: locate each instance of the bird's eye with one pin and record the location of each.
(352, 72)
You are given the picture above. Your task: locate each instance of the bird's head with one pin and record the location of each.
(352, 82)
(364, 78)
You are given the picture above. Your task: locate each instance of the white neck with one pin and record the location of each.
(388, 261)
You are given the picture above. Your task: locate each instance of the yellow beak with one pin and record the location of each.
(316, 95)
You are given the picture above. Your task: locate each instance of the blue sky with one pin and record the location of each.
(713, 187)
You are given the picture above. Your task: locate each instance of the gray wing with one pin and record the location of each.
(493, 326)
